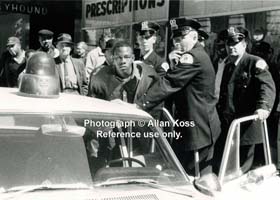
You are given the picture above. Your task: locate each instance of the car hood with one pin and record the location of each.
(124, 192)
(257, 191)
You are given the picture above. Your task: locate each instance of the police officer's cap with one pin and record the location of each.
(258, 32)
(222, 37)
(143, 27)
(45, 32)
(236, 35)
(181, 26)
(110, 44)
(202, 35)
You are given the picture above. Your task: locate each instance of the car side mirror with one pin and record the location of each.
(208, 184)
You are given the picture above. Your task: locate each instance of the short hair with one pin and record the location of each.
(120, 44)
(83, 44)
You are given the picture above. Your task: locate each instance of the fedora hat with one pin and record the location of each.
(64, 38)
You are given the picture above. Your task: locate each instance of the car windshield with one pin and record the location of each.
(92, 149)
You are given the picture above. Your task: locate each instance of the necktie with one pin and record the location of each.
(66, 75)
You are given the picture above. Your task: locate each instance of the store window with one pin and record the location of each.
(12, 24)
(126, 33)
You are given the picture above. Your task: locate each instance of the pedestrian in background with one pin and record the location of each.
(71, 70)
(81, 51)
(96, 57)
(46, 43)
(12, 62)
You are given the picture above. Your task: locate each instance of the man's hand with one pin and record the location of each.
(121, 102)
(174, 56)
(262, 113)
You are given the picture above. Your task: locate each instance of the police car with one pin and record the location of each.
(65, 146)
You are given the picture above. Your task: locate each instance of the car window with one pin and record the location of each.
(233, 162)
(66, 148)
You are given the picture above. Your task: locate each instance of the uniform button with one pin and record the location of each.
(147, 102)
(144, 105)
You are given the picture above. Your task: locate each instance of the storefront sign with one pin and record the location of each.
(210, 8)
(24, 8)
(104, 13)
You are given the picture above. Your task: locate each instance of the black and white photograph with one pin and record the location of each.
(139, 99)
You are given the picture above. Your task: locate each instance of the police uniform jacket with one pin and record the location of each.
(104, 83)
(156, 61)
(79, 69)
(192, 81)
(250, 87)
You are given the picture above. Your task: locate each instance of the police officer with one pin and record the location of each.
(202, 37)
(192, 81)
(46, 43)
(246, 88)
(146, 37)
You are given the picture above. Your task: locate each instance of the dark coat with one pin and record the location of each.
(10, 70)
(156, 61)
(79, 69)
(250, 87)
(193, 85)
(52, 51)
(104, 82)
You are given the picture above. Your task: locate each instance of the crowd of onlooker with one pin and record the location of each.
(241, 78)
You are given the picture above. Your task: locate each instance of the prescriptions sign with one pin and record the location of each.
(105, 13)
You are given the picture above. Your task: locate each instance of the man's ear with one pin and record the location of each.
(133, 57)
(244, 43)
(154, 39)
(194, 35)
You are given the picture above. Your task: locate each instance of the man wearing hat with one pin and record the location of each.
(46, 43)
(247, 88)
(108, 57)
(146, 37)
(192, 81)
(202, 37)
(96, 57)
(12, 62)
(71, 70)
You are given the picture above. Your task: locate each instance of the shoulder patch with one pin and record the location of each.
(165, 66)
(261, 64)
(186, 59)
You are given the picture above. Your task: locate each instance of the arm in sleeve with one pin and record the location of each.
(95, 88)
(174, 81)
(266, 86)
(91, 63)
(84, 80)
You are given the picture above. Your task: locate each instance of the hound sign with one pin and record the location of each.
(105, 13)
